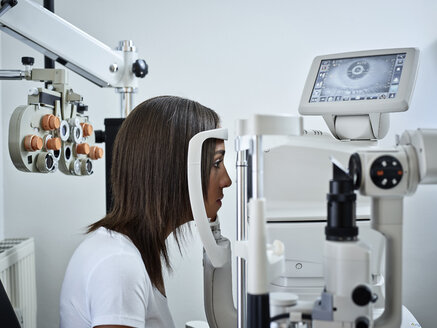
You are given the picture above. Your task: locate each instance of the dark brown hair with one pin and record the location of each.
(149, 175)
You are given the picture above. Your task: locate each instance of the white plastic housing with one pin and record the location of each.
(217, 254)
(257, 262)
(408, 183)
(397, 104)
(424, 142)
(217, 282)
(347, 265)
(363, 116)
(261, 124)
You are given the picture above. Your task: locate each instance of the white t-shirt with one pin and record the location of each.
(106, 283)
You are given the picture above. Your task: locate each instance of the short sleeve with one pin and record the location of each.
(118, 291)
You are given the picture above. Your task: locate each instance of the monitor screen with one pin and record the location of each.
(358, 78)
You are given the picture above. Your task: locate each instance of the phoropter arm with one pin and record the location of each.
(59, 40)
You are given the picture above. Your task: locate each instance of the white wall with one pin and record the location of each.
(238, 57)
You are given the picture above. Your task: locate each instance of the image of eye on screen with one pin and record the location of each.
(359, 78)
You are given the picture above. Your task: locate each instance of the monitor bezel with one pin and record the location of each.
(398, 104)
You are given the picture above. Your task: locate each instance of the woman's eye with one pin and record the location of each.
(217, 163)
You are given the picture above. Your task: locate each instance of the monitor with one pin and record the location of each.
(363, 82)
(355, 91)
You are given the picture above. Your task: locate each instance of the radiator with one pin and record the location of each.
(17, 273)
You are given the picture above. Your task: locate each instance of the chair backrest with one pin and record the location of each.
(7, 313)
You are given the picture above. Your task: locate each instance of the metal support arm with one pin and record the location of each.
(12, 74)
(59, 40)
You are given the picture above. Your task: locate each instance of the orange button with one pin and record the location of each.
(83, 148)
(54, 122)
(400, 172)
(380, 173)
(33, 143)
(54, 144)
(95, 152)
(87, 129)
(50, 122)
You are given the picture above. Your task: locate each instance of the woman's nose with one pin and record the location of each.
(226, 181)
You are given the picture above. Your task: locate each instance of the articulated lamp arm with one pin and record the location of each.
(61, 41)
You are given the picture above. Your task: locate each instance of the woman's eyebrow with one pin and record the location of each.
(221, 152)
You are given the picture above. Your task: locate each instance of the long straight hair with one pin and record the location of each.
(149, 175)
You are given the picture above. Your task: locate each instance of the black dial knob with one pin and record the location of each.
(362, 295)
(82, 108)
(362, 322)
(11, 3)
(27, 60)
(140, 68)
(100, 136)
(355, 170)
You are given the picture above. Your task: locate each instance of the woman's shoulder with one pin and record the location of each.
(110, 242)
(105, 249)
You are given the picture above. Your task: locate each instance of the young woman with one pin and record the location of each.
(115, 278)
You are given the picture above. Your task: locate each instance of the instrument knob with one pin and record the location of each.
(362, 295)
(87, 129)
(28, 61)
(33, 143)
(362, 322)
(83, 148)
(140, 68)
(81, 108)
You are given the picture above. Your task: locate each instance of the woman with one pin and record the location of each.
(114, 278)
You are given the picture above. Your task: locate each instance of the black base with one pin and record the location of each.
(112, 125)
(258, 311)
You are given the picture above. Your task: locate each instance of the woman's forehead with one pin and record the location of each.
(220, 145)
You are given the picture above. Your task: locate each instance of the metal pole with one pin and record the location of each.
(241, 235)
(126, 93)
(48, 62)
(12, 74)
(256, 174)
(258, 313)
(126, 100)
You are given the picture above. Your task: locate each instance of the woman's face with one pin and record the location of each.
(218, 179)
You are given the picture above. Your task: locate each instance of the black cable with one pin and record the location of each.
(279, 317)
